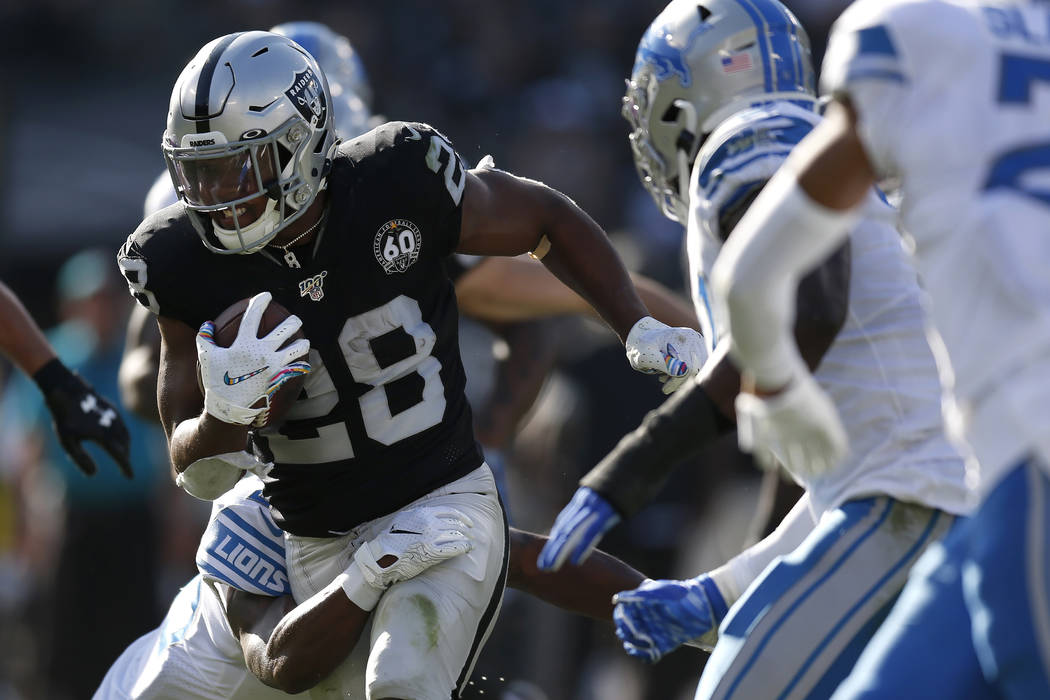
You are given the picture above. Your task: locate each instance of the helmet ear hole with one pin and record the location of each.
(670, 114)
(283, 155)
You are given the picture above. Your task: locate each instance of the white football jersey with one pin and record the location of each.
(880, 371)
(953, 97)
(194, 654)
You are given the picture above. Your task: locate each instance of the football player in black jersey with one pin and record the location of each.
(350, 238)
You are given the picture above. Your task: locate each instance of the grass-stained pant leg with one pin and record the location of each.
(426, 633)
(798, 629)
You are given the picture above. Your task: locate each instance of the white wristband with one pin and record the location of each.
(218, 407)
(357, 588)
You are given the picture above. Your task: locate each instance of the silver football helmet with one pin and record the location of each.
(697, 64)
(341, 63)
(249, 138)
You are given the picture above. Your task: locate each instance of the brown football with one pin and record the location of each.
(226, 326)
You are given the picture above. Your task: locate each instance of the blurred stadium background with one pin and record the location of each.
(535, 83)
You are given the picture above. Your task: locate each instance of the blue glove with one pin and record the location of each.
(577, 530)
(659, 616)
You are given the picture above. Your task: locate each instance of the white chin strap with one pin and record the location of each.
(255, 235)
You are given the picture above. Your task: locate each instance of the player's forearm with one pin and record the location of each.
(664, 305)
(633, 474)
(582, 257)
(204, 436)
(309, 642)
(20, 337)
(585, 589)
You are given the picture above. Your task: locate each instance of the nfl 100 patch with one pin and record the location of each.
(313, 286)
(397, 245)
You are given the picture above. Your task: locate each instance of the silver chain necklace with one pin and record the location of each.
(289, 256)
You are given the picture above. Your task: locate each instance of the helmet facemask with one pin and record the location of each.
(248, 190)
(667, 183)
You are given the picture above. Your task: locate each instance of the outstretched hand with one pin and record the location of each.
(577, 530)
(659, 616)
(80, 413)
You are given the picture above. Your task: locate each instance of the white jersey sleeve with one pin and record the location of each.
(242, 546)
(882, 58)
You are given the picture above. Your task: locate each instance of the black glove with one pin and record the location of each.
(80, 413)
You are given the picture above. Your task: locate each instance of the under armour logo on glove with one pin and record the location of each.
(106, 416)
(80, 414)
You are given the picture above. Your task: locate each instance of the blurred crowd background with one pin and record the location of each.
(87, 565)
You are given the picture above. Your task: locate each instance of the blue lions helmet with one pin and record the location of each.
(698, 64)
(347, 80)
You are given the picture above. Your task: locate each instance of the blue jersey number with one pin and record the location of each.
(1017, 76)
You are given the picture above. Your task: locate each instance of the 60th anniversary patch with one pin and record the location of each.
(397, 245)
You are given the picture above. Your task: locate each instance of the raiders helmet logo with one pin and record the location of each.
(308, 97)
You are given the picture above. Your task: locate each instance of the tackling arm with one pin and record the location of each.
(585, 589)
(293, 647)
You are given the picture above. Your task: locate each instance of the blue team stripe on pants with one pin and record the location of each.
(800, 626)
(905, 560)
(976, 605)
(778, 581)
(1005, 586)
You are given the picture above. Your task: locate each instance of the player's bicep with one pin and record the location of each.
(504, 214)
(178, 394)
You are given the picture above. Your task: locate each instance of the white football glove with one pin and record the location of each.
(656, 348)
(236, 378)
(417, 539)
(800, 425)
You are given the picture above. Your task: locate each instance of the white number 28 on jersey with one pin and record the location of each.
(355, 340)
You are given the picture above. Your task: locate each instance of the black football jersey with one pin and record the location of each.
(382, 420)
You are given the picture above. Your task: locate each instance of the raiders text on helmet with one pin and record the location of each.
(249, 138)
(699, 63)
